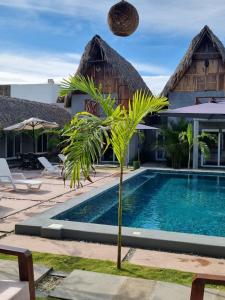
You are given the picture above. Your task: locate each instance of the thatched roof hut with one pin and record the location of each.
(187, 60)
(14, 110)
(108, 68)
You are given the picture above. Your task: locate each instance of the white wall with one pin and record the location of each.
(46, 93)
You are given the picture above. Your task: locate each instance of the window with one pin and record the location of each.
(92, 107)
(5, 90)
(13, 145)
(160, 154)
(42, 143)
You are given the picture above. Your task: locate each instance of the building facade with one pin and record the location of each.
(43, 92)
(200, 78)
(14, 110)
(115, 75)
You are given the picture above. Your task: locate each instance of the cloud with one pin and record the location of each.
(174, 16)
(156, 83)
(38, 67)
(150, 68)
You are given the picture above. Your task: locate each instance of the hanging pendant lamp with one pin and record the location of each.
(123, 18)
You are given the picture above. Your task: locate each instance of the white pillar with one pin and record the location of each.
(195, 146)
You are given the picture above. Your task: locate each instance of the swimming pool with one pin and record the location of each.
(181, 211)
(186, 203)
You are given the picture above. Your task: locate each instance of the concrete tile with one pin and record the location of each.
(7, 226)
(11, 206)
(85, 285)
(182, 262)
(9, 271)
(73, 248)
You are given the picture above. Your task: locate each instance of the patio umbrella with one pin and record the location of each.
(207, 111)
(32, 124)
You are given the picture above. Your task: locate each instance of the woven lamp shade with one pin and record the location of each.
(123, 18)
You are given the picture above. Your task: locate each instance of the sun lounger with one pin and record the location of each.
(62, 157)
(49, 168)
(6, 177)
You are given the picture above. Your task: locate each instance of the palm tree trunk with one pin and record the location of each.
(120, 218)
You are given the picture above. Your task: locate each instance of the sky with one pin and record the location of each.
(43, 39)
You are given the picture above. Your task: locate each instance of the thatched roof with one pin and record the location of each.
(187, 59)
(120, 66)
(14, 110)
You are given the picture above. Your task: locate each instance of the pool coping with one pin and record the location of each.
(43, 225)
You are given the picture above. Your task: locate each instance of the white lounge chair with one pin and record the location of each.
(6, 177)
(62, 157)
(49, 168)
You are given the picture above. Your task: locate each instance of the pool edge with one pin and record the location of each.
(132, 237)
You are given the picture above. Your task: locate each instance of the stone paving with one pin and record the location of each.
(72, 248)
(83, 285)
(18, 206)
(9, 271)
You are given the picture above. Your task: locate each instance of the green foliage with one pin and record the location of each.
(176, 152)
(88, 136)
(136, 164)
(187, 137)
(179, 142)
(69, 263)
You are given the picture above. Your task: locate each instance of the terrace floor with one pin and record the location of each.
(18, 206)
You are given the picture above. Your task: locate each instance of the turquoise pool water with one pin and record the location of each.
(163, 201)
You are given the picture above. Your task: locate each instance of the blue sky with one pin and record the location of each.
(43, 39)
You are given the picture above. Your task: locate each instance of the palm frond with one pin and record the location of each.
(86, 140)
(87, 86)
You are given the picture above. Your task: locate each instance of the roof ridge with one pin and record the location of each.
(186, 61)
(121, 65)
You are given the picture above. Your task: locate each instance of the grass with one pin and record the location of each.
(69, 263)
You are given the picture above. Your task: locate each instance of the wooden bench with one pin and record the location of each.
(199, 282)
(25, 264)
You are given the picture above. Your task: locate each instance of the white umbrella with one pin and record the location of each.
(32, 124)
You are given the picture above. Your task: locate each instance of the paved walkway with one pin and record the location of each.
(83, 285)
(16, 206)
(150, 258)
(9, 271)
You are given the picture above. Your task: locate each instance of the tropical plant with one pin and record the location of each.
(176, 152)
(89, 135)
(188, 138)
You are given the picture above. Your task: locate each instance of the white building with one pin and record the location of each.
(43, 92)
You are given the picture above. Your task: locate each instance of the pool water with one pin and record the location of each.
(163, 201)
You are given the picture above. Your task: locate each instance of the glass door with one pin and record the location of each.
(214, 150)
(222, 149)
(160, 154)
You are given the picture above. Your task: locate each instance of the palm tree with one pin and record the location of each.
(176, 151)
(187, 137)
(88, 136)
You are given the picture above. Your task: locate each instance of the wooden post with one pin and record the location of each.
(26, 272)
(25, 263)
(199, 282)
(197, 290)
